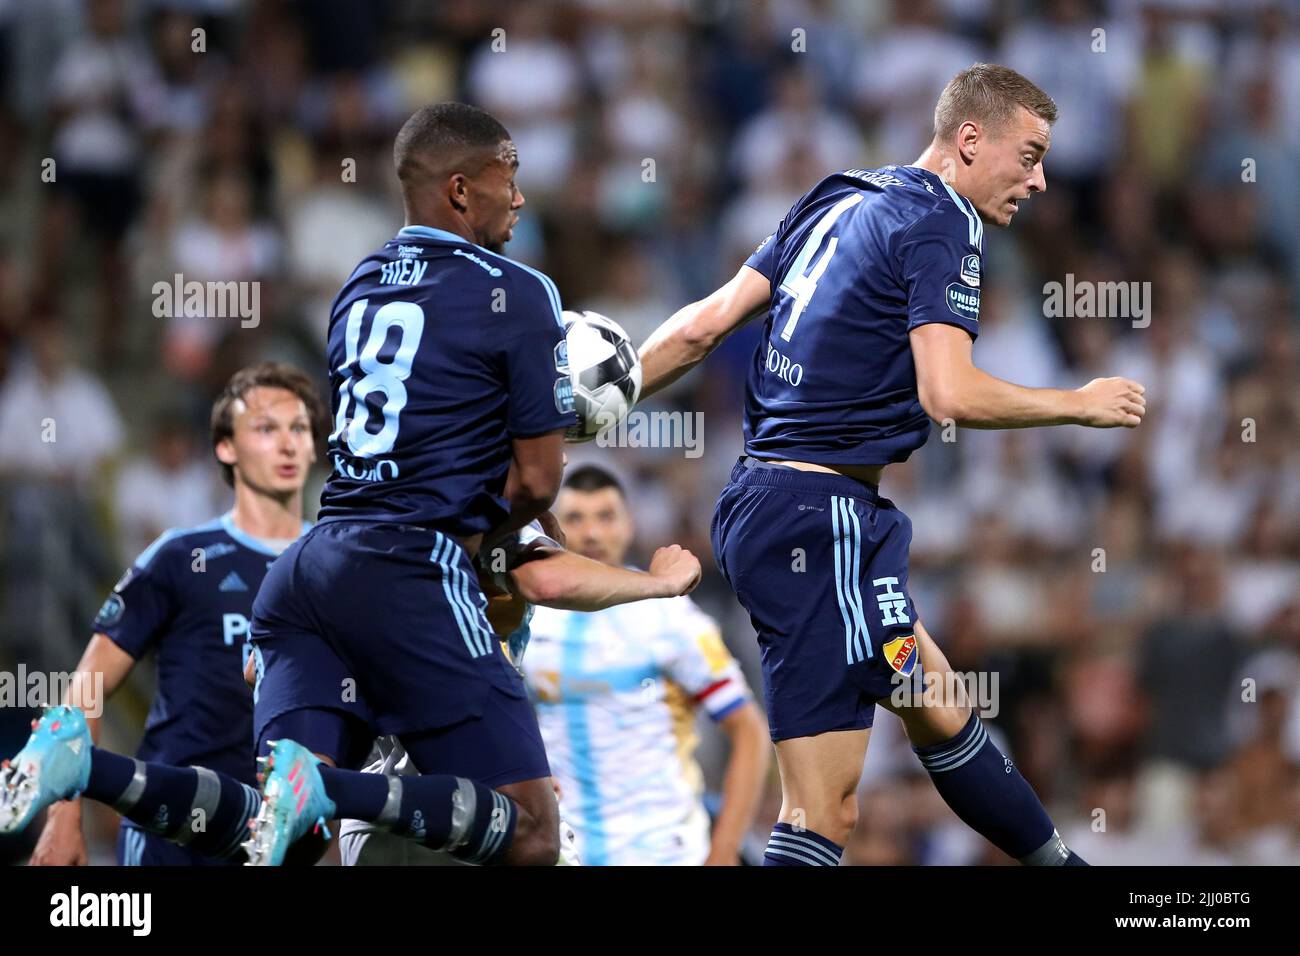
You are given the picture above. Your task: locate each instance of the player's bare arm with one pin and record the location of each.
(748, 759)
(61, 842)
(697, 329)
(952, 388)
(569, 582)
(536, 468)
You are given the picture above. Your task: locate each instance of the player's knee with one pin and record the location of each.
(833, 815)
(536, 842)
(846, 814)
(538, 848)
(926, 726)
(537, 830)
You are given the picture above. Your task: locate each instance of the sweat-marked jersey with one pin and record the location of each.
(860, 260)
(616, 693)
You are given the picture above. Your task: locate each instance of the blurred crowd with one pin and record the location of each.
(1136, 594)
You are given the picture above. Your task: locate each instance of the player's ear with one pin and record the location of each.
(458, 191)
(969, 139)
(225, 450)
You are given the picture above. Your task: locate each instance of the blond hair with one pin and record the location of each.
(990, 95)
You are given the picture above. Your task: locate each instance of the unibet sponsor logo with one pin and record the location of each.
(963, 301)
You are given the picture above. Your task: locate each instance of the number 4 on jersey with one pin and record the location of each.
(801, 286)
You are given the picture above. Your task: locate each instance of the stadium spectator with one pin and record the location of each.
(1120, 683)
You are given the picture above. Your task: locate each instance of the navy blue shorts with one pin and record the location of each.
(820, 563)
(385, 624)
(136, 847)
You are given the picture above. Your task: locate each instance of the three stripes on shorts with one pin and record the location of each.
(848, 574)
(456, 588)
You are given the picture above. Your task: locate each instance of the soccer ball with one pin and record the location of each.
(605, 372)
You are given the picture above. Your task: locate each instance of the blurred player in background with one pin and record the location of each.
(451, 398)
(532, 569)
(188, 598)
(871, 289)
(617, 692)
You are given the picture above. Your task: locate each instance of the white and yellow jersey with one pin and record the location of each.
(616, 693)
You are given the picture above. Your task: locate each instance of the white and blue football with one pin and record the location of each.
(604, 369)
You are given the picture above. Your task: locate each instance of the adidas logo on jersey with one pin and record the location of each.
(232, 582)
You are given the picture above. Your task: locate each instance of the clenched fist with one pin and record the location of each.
(1112, 403)
(677, 568)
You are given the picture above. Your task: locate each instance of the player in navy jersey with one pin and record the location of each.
(450, 390)
(530, 567)
(188, 600)
(870, 288)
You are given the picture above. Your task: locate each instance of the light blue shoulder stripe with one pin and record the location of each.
(979, 226)
(142, 562)
(430, 232)
(552, 292)
(147, 555)
(974, 228)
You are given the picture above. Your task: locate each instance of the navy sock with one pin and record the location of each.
(191, 806)
(472, 822)
(986, 790)
(358, 796)
(790, 847)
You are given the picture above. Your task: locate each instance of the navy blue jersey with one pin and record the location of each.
(189, 598)
(440, 352)
(860, 260)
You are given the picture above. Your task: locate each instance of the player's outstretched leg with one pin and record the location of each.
(294, 802)
(54, 765)
(982, 786)
(462, 817)
(190, 806)
(516, 823)
(359, 845)
(466, 819)
(194, 807)
(819, 807)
